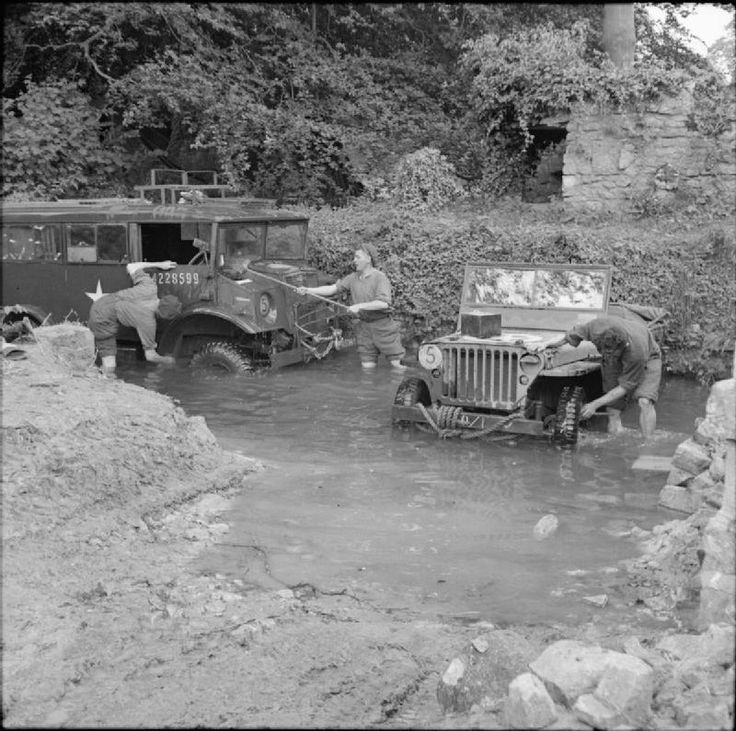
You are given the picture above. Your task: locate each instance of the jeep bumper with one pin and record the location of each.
(503, 424)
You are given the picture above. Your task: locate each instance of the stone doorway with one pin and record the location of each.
(545, 159)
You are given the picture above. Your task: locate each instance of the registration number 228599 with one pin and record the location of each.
(177, 277)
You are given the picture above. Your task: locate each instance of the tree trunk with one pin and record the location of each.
(619, 36)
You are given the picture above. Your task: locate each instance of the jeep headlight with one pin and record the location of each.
(430, 357)
(530, 364)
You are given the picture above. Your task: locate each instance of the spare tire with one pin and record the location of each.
(221, 358)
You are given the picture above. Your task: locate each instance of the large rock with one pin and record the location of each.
(718, 543)
(486, 673)
(70, 343)
(529, 705)
(596, 713)
(570, 668)
(627, 686)
(691, 457)
(716, 597)
(717, 467)
(711, 715)
(679, 498)
(708, 432)
(677, 476)
(720, 408)
(715, 646)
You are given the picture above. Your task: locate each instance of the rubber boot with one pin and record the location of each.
(109, 364)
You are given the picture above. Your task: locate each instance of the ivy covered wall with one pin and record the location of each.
(668, 155)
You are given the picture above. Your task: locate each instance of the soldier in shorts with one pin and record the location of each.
(376, 332)
(631, 368)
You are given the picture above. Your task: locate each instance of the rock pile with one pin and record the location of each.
(702, 475)
(681, 681)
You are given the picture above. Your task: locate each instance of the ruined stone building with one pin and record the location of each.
(668, 153)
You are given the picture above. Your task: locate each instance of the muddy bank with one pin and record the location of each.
(109, 492)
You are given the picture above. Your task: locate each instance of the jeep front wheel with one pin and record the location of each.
(220, 358)
(411, 391)
(567, 419)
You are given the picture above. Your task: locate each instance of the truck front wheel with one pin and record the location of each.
(220, 358)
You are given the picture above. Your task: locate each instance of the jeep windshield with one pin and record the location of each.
(551, 297)
(558, 288)
(252, 241)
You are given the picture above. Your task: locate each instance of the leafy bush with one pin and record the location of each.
(543, 70)
(52, 145)
(688, 271)
(425, 180)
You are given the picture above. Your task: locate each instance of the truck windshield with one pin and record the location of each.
(275, 240)
(286, 240)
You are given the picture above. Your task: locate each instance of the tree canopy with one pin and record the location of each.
(299, 101)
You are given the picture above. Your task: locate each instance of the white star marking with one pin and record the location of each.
(94, 296)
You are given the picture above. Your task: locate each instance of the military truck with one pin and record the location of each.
(494, 374)
(239, 262)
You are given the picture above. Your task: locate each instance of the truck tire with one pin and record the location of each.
(567, 419)
(219, 358)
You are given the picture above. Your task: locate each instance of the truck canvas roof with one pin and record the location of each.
(221, 210)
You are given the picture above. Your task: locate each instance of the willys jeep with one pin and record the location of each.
(494, 373)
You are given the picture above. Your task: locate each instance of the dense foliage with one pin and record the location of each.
(311, 102)
(687, 269)
(52, 145)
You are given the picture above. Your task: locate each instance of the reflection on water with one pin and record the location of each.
(349, 502)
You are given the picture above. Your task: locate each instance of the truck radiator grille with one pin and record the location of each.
(313, 317)
(481, 376)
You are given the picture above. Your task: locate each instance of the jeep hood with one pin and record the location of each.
(525, 340)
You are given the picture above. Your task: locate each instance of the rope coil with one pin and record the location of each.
(445, 420)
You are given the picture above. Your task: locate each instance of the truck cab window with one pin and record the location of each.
(82, 246)
(239, 245)
(112, 243)
(286, 241)
(31, 243)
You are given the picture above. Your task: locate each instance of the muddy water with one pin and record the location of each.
(348, 502)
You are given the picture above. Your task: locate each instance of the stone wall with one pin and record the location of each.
(624, 161)
(704, 474)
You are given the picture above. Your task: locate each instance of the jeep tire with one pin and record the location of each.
(220, 357)
(567, 419)
(411, 391)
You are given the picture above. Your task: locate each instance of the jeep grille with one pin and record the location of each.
(481, 376)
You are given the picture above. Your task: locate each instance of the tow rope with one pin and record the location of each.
(444, 420)
(332, 340)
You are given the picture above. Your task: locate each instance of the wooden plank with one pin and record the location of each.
(653, 463)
